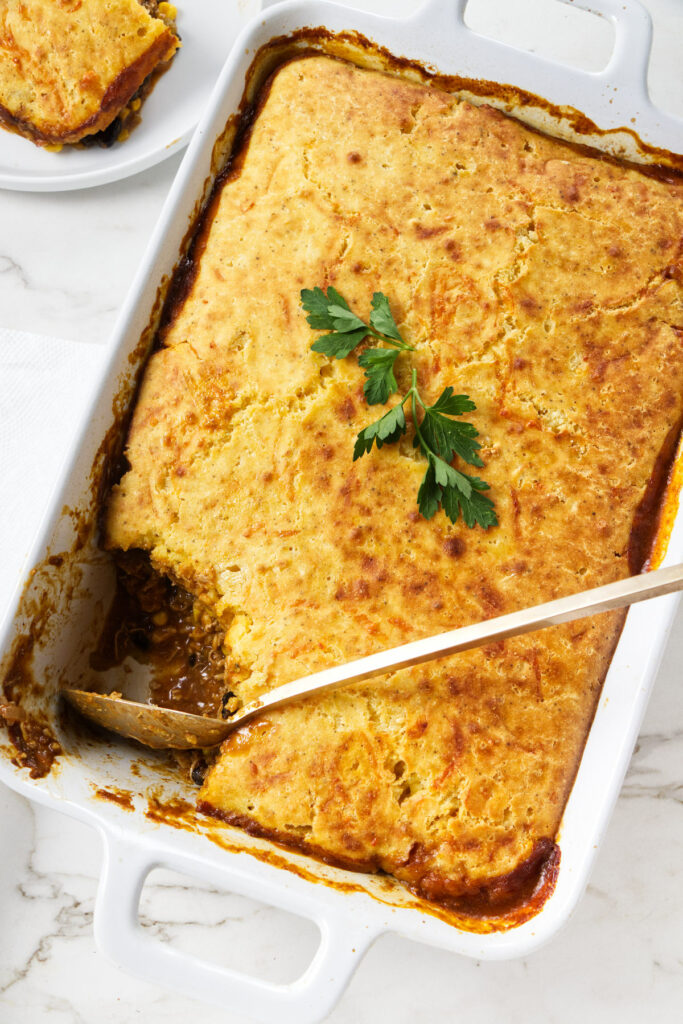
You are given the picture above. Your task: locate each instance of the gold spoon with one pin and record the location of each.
(162, 728)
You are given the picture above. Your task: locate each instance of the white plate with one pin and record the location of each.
(208, 29)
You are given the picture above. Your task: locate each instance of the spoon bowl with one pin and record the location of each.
(159, 728)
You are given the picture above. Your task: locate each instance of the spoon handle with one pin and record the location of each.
(587, 602)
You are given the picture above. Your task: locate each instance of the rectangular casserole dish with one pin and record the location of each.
(73, 588)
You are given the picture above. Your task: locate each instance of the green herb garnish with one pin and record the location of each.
(440, 437)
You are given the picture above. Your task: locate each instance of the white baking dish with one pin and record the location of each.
(351, 910)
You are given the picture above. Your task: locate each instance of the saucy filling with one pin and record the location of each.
(158, 624)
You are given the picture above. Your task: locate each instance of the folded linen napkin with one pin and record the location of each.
(45, 384)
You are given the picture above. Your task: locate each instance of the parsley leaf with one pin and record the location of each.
(453, 405)
(380, 382)
(339, 345)
(331, 313)
(476, 508)
(315, 303)
(386, 430)
(344, 320)
(429, 494)
(381, 318)
(449, 437)
(456, 493)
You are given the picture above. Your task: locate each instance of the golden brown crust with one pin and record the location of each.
(531, 881)
(68, 67)
(529, 275)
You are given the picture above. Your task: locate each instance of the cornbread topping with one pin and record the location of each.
(541, 280)
(69, 68)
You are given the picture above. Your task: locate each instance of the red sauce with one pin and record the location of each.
(507, 902)
(30, 734)
(154, 622)
(122, 797)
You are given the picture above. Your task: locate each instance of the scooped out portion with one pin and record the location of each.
(70, 68)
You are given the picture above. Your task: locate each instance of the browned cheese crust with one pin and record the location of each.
(542, 282)
(67, 67)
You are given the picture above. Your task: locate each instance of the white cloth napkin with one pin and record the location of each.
(45, 384)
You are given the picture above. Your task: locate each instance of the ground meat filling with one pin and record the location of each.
(157, 623)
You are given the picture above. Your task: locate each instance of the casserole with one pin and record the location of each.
(184, 851)
(241, 488)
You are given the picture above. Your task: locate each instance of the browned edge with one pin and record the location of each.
(473, 913)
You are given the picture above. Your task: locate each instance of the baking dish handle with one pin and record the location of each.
(628, 64)
(118, 934)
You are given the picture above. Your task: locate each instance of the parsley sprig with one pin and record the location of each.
(439, 437)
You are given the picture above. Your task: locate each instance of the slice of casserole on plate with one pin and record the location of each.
(69, 68)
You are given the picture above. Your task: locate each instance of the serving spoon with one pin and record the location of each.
(163, 728)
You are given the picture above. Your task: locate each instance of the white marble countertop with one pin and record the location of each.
(66, 261)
